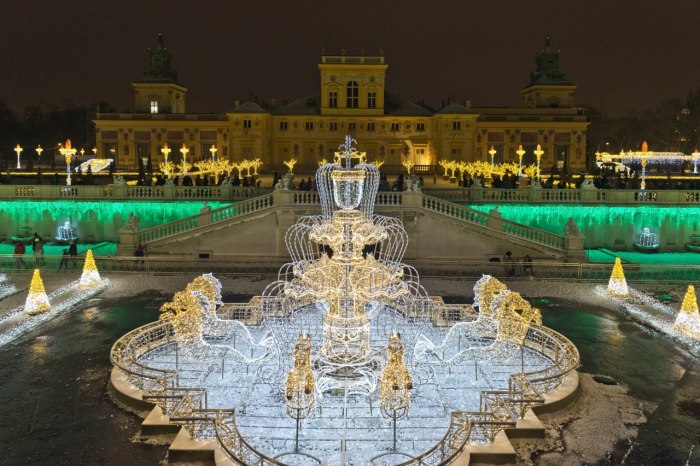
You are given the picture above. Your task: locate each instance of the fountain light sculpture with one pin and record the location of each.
(688, 319)
(65, 232)
(37, 300)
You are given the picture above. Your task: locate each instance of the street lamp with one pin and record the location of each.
(19, 150)
(184, 150)
(694, 157)
(39, 150)
(492, 153)
(212, 149)
(67, 151)
(538, 154)
(166, 151)
(520, 153)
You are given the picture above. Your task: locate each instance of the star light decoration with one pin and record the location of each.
(37, 301)
(90, 277)
(688, 319)
(617, 285)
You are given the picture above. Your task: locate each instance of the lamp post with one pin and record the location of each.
(644, 172)
(492, 153)
(538, 153)
(212, 149)
(520, 153)
(39, 150)
(395, 384)
(94, 152)
(301, 386)
(694, 157)
(19, 150)
(67, 151)
(166, 151)
(184, 150)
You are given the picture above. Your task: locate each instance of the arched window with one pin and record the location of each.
(353, 91)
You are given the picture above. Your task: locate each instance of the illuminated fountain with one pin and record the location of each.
(66, 233)
(647, 241)
(349, 341)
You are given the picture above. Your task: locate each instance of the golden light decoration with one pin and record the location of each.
(90, 276)
(37, 300)
(300, 388)
(167, 168)
(688, 318)
(377, 163)
(68, 152)
(257, 163)
(166, 150)
(408, 165)
(396, 383)
(290, 164)
(617, 285)
(514, 316)
(322, 162)
(485, 291)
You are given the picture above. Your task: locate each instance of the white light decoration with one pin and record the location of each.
(90, 276)
(68, 152)
(18, 150)
(37, 301)
(520, 153)
(617, 285)
(688, 319)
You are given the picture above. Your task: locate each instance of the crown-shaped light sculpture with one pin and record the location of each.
(617, 284)
(90, 277)
(688, 318)
(37, 301)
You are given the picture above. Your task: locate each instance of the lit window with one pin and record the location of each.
(352, 94)
(420, 126)
(394, 127)
(371, 100)
(247, 124)
(283, 126)
(370, 126)
(352, 126)
(309, 126)
(333, 99)
(456, 125)
(154, 106)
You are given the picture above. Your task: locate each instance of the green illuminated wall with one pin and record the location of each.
(613, 227)
(95, 221)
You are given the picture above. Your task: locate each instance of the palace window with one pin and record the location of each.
(352, 126)
(456, 125)
(371, 100)
(333, 99)
(309, 125)
(370, 126)
(283, 126)
(395, 127)
(247, 124)
(420, 127)
(333, 126)
(154, 106)
(352, 94)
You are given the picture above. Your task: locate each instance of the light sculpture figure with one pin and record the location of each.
(617, 285)
(300, 391)
(538, 153)
(257, 163)
(213, 150)
(520, 153)
(408, 164)
(18, 150)
(68, 152)
(688, 319)
(492, 153)
(91, 276)
(395, 384)
(37, 300)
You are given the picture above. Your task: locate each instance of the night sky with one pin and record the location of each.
(623, 54)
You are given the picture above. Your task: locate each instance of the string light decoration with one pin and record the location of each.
(290, 164)
(514, 316)
(485, 290)
(91, 276)
(300, 390)
(688, 319)
(617, 284)
(37, 301)
(395, 384)
(408, 165)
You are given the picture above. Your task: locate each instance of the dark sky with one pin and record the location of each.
(626, 54)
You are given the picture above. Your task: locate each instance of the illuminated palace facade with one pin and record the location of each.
(352, 99)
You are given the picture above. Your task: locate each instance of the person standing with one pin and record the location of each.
(73, 253)
(19, 251)
(38, 248)
(64, 260)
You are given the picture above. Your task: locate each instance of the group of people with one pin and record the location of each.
(517, 267)
(70, 254)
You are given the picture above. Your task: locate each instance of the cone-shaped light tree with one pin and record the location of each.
(90, 276)
(37, 301)
(688, 319)
(617, 284)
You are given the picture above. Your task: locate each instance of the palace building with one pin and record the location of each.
(353, 98)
